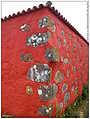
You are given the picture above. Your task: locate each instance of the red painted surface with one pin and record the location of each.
(14, 99)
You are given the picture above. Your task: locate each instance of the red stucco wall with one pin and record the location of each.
(14, 99)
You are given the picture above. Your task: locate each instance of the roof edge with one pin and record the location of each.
(52, 9)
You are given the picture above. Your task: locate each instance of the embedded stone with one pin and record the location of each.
(59, 43)
(25, 28)
(26, 57)
(48, 92)
(47, 22)
(64, 88)
(66, 61)
(52, 54)
(39, 73)
(45, 110)
(66, 97)
(62, 33)
(59, 77)
(29, 90)
(67, 72)
(37, 39)
(61, 105)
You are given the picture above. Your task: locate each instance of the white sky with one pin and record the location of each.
(74, 12)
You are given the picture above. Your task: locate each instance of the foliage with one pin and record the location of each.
(85, 92)
(71, 109)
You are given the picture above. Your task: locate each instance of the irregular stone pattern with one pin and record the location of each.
(25, 28)
(26, 57)
(66, 97)
(39, 73)
(37, 39)
(52, 54)
(47, 22)
(47, 92)
(45, 110)
(59, 77)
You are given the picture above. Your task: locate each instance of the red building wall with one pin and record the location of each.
(14, 99)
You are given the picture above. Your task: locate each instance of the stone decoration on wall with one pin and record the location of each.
(38, 39)
(29, 90)
(72, 88)
(39, 73)
(62, 59)
(75, 68)
(47, 57)
(76, 80)
(62, 32)
(59, 77)
(52, 54)
(43, 22)
(68, 72)
(25, 28)
(64, 88)
(65, 42)
(66, 61)
(26, 57)
(76, 90)
(45, 110)
(47, 22)
(47, 92)
(59, 42)
(66, 97)
(61, 105)
(70, 36)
